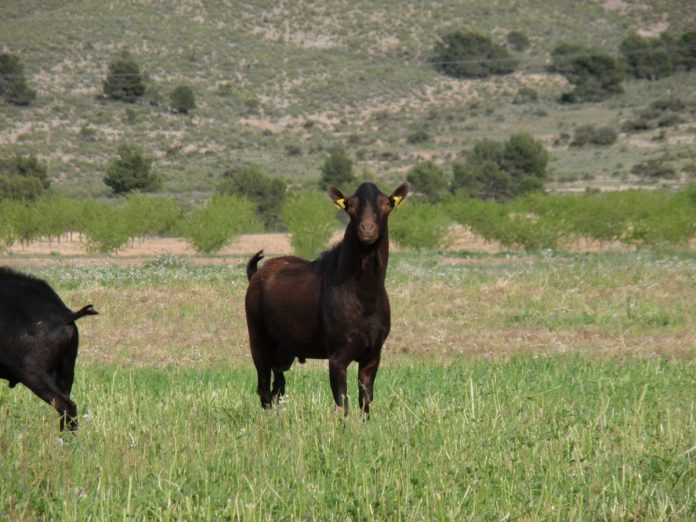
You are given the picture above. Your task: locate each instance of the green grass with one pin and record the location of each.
(531, 437)
(541, 387)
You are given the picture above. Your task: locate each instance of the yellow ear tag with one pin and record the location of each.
(340, 203)
(397, 200)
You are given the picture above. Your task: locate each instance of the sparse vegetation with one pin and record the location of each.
(13, 84)
(590, 135)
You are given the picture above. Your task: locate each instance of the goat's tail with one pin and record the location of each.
(85, 310)
(252, 265)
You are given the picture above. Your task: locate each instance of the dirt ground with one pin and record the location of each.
(43, 251)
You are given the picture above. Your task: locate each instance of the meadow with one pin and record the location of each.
(543, 386)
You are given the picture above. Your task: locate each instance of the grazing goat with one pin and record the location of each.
(38, 341)
(335, 307)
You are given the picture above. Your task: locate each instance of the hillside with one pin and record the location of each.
(277, 83)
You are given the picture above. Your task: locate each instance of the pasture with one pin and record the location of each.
(534, 386)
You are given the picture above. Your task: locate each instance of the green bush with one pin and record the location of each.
(471, 55)
(518, 41)
(105, 226)
(182, 99)
(501, 171)
(13, 84)
(683, 51)
(646, 57)
(23, 177)
(589, 135)
(653, 168)
(266, 192)
(525, 95)
(429, 180)
(419, 225)
(595, 75)
(152, 216)
(337, 170)
(124, 81)
(310, 218)
(132, 170)
(222, 219)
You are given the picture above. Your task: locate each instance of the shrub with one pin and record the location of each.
(182, 99)
(419, 225)
(13, 84)
(518, 41)
(337, 170)
(501, 171)
(525, 95)
(132, 170)
(471, 55)
(588, 134)
(595, 75)
(683, 52)
(653, 168)
(429, 180)
(310, 218)
(151, 216)
(23, 177)
(646, 57)
(219, 222)
(124, 81)
(105, 226)
(267, 193)
(418, 136)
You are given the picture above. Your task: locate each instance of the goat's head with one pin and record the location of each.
(368, 209)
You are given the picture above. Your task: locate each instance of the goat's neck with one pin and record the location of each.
(366, 265)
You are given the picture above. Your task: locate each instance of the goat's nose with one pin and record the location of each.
(367, 227)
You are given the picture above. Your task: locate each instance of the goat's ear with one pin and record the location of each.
(336, 196)
(399, 195)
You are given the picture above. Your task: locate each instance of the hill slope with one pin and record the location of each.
(278, 83)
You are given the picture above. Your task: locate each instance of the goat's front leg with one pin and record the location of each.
(339, 387)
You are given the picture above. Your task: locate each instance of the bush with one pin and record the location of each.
(518, 41)
(653, 168)
(13, 85)
(471, 55)
(525, 95)
(419, 225)
(501, 171)
(595, 75)
(310, 218)
(267, 193)
(219, 222)
(131, 171)
(684, 51)
(124, 81)
(646, 58)
(23, 177)
(429, 180)
(182, 99)
(588, 134)
(337, 170)
(105, 226)
(151, 216)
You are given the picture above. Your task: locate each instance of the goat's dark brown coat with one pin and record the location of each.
(335, 307)
(39, 340)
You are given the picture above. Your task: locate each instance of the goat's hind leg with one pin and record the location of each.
(44, 387)
(278, 384)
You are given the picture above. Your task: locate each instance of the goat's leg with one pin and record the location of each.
(366, 379)
(278, 384)
(46, 389)
(264, 386)
(339, 387)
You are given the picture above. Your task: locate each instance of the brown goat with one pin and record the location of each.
(335, 307)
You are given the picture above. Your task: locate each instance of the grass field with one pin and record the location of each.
(542, 387)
